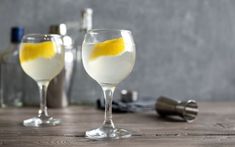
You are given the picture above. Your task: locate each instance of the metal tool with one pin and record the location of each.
(187, 110)
(59, 90)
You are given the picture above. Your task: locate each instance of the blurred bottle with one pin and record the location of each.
(81, 77)
(86, 20)
(11, 72)
(59, 90)
(85, 25)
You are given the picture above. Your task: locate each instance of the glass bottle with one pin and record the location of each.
(12, 88)
(83, 80)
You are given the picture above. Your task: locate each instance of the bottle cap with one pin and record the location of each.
(86, 19)
(17, 34)
(60, 29)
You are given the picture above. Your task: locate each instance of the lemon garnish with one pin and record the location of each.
(113, 47)
(31, 51)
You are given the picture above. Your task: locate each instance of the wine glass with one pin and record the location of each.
(108, 57)
(42, 58)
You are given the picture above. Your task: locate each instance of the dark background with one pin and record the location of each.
(185, 48)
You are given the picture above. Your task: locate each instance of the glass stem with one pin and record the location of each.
(42, 113)
(108, 96)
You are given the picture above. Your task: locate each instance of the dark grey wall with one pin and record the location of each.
(185, 48)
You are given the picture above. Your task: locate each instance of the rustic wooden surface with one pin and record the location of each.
(214, 127)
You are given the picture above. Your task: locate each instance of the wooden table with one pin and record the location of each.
(214, 127)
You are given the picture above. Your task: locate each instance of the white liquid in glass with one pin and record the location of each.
(42, 69)
(108, 69)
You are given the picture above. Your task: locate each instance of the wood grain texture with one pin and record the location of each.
(214, 127)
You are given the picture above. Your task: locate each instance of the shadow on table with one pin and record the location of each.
(158, 118)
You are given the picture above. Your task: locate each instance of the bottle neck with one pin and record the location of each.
(14, 45)
(86, 21)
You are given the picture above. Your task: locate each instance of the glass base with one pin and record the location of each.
(41, 122)
(107, 133)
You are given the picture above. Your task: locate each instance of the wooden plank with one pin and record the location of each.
(134, 141)
(215, 126)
